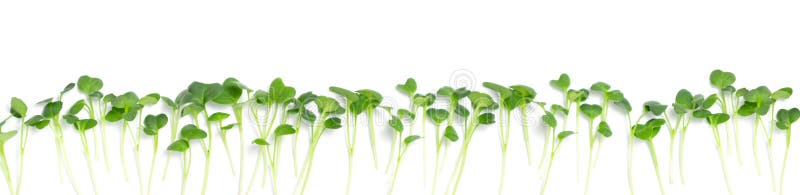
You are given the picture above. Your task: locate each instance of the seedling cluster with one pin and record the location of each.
(279, 114)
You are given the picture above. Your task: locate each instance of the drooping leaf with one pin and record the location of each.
(76, 107)
(718, 118)
(326, 105)
(260, 142)
(333, 123)
(85, 124)
(615, 96)
(284, 129)
(450, 134)
(372, 99)
(396, 124)
(37, 121)
(410, 139)
(70, 119)
(625, 105)
(480, 100)
(550, 119)
(654, 107)
(499, 89)
(5, 136)
(218, 116)
(564, 134)
(461, 110)
(170, 103)
(604, 129)
(180, 145)
(191, 132)
(150, 99)
(486, 119)
(347, 94)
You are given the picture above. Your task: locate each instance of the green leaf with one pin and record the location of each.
(577, 95)
(305, 98)
(347, 94)
(525, 92)
(218, 116)
(203, 93)
(227, 127)
(564, 134)
(52, 109)
(285, 129)
(604, 129)
(308, 115)
(423, 100)
(561, 83)
(710, 101)
(88, 85)
(396, 124)
(170, 103)
(450, 133)
(18, 108)
(721, 79)
(150, 99)
(600, 86)
(684, 98)
(503, 91)
(108, 98)
(591, 110)
(411, 139)
(758, 95)
(76, 107)
(654, 107)
(5, 136)
(261, 97)
(782, 93)
(741, 92)
(437, 115)
(409, 87)
(114, 115)
(68, 88)
(480, 100)
(70, 119)
(231, 92)
(96, 95)
(180, 145)
(718, 118)
(549, 119)
(153, 123)
(260, 142)
(461, 110)
(401, 113)
(326, 105)
(486, 119)
(786, 118)
(191, 132)
(125, 101)
(192, 109)
(701, 113)
(37, 121)
(85, 124)
(372, 99)
(615, 96)
(625, 105)
(555, 108)
(333, 123)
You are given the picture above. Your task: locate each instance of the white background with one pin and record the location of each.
(649, 50)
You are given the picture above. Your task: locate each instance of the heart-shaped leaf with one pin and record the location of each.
(284, 129)
(88, 85)
(191, 132)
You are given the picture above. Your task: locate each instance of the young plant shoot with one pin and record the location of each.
(480, 102)
(52, 111)
(302, 114)
(780, 94)
(453, 96)
(326, 107)
(685, 104)
(176, 112)
(152, 124)
(201, 94)
(785, 120)
(232, 91)
(757, 102)
(125, 108)
(4, 137)
(714, 120)
(649, 130)
(19, 110)
(188, 133)
(90, 87)
(397, 125)
(592, 111)
(82, 125)
(507, 102)
(409, 88)
(551, 122)
(723, 81)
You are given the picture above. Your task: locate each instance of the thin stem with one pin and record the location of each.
(397, 168)
(785, 156)
(23, 143)
(722, 158)
(152, 163)
(630, 154)
(549, 165)
(122, 149)
(655, 165)
(524, 113)
(370, 117)
(6, 172)
(89, 162)
(755, 144)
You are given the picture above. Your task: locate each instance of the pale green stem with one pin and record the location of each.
(655, 165)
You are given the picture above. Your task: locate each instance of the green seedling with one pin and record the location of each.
(82, 125)
(302, 114)
(4, 137)
(276, 100)
(201, 94)
(785, 120)
(125, 107)
(152, 124)
(647, 132)
(19, 110)
(326, 107)
(714, 120)
(232, 91)
(423, 102)
(397, 125)
(551, 122)
(737, 99)
(480, 103)
(409, 88)
(439, 116)
(780, 94)
(651, 107)
(90, 87)
(524, 97)
(723, 81)
(52, 112)
(453, 96)
(176, 108)
(757, 102)
(592, 111)
(685, 107)
(188, 133)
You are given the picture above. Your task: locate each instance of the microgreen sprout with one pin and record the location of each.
(480, 102)
(714, 120)
(785, 120)
(326, 107)
(757, 102)
(551, 122)
(4, 137)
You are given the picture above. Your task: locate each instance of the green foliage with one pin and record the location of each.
(88, 85)
(786, 118)
(561, 83)
(591, 110)
(18, 108)
(721, 79)
(450, 133)
(284, 129)
(437, 115)
(409, 87)
(191, 132)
